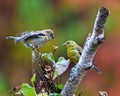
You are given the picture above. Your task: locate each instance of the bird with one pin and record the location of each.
(34, 38)
(74, 51)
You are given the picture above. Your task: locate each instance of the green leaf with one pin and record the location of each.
(27, 90)
(33, 79)
(51, 57)
(48, 57)
(60, 59)
(60, 86)
(60, 67)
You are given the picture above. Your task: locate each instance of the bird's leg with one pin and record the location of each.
(37, 53)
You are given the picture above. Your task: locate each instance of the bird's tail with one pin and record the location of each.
(13, 37)
(96, 69)
(10, 37)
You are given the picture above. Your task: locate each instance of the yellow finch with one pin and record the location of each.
(34, 39)
(74, 51)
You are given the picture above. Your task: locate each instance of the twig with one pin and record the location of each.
(36, 56)
(33, 62)
(78, 71)
(54, 50)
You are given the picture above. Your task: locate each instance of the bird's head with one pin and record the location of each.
(49, 33)
(69, 43)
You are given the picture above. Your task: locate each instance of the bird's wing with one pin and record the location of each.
(73, 55)
(23, 33)
(31, 36)
(79, 50)
(35, 36)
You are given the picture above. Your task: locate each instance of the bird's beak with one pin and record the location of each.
(53, 37)
(64, 44)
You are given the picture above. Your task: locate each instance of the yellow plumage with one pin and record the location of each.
(74, 51)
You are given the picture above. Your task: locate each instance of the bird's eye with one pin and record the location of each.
(51, 35)
(68, 42)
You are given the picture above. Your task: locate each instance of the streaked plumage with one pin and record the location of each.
(74, 51)
(33, 39)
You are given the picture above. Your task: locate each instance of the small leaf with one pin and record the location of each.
(60, 86)
(27, 90)
(51, 57)
(33, 79)
(48, 57)
(61, 66)
(60, 59)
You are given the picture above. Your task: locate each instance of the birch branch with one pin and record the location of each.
(92, 43)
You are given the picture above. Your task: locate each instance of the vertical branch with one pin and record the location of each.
(35, 59)
(79, 71)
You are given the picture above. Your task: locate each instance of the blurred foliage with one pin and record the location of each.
(71, 20)
(27, 90)
(4, 86)
(35, 14)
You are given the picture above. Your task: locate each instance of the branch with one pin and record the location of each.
(92, 42)
(35, 60)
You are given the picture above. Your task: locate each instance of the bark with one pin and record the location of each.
(92, 43)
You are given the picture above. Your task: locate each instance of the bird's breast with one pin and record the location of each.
(36, 41)
(73, 55)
